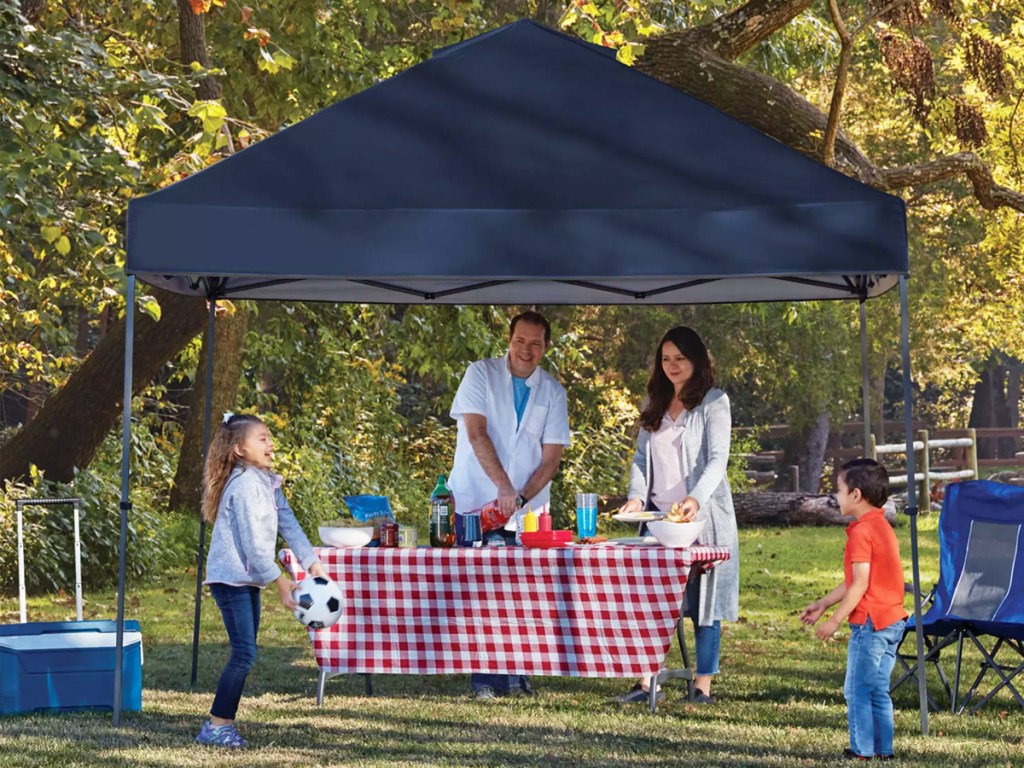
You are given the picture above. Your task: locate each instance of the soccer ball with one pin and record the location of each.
(320, 602)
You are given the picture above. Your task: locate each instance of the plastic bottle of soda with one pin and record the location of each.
(442, 512)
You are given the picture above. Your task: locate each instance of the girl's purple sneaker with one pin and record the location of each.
(221, 736)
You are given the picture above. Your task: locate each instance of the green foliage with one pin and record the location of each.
(70, 134)
(95, 108)
(49, 531)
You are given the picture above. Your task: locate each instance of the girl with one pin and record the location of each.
(243, 499)
(681, 456)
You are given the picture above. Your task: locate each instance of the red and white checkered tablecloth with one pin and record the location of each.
(598, 611)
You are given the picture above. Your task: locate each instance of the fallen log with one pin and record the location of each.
(770, 508)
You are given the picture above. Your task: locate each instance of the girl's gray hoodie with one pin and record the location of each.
(251, 514)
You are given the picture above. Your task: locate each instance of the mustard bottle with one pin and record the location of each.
(529, 521)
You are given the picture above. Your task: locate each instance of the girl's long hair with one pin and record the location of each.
(221, 459)
(660, 390)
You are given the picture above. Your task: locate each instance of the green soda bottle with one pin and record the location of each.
(442, 513)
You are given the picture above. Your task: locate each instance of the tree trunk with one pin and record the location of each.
(32, 9)
(983, 410)
(192, 38)
(770, 508)
(686, 62)
(878, 428)
(1011, 411)
(73, 422)
(229, 344)
(811, 455)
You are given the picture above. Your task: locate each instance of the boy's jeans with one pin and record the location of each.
(870, 658)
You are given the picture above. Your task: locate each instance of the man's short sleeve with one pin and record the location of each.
(556, 426)
(471, 396)
(859, 545)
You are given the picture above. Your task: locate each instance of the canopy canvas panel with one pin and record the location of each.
(520, 166)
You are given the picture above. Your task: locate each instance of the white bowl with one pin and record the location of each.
(675, 535)
(346, 537)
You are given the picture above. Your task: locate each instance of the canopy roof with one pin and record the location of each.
(521, 166)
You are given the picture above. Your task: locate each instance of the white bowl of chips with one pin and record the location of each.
(675, 535)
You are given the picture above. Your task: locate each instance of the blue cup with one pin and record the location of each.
(586, 515)
(468, 532)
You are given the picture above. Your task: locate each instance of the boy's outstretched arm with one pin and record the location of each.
(813, 611)
(854, 593)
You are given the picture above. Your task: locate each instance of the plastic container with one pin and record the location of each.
(68, 666)
(546, 539)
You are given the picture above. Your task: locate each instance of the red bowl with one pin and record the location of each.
(546, 539)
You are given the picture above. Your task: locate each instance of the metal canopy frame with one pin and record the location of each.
(856, 288)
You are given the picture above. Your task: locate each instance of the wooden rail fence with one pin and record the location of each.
(957, 457)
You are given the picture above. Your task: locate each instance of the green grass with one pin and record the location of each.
(780, 695)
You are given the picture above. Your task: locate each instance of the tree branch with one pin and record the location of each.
(990, 195)
(828, 149)
(738, 31)
(846, 39)
(697, 62)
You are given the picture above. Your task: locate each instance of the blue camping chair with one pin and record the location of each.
(980, 595)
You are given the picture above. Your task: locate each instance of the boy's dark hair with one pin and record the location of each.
(533, 318)
(870, 477)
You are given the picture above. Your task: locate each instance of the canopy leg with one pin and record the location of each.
(125, 506)
(208, 406)
(908, 428)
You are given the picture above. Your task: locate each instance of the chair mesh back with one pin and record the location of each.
(984, 582)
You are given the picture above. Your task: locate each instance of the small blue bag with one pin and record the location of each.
(365, 507)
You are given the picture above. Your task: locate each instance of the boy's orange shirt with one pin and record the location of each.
(870, 539)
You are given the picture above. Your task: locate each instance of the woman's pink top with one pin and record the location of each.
(668, 485)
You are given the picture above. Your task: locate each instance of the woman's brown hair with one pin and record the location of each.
(660, 390)
(221, 459)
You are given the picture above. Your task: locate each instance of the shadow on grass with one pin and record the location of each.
(341, 736)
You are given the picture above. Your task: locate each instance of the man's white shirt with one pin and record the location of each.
(486, 390)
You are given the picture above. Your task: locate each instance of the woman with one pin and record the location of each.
(681, 457)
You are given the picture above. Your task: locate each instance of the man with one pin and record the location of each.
(513, 425)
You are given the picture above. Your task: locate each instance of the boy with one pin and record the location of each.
(872, 596)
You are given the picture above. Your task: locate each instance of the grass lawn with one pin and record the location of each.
(779, 695)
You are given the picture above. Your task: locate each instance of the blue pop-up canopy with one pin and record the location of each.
(520, 166)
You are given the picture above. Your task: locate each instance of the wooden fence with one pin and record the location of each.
(950, 454)
(924, 472)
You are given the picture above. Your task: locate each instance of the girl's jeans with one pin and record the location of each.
(871, 655)
(240, 608)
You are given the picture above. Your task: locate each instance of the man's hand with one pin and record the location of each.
(827, 629)
(632, 506)
(507, 499)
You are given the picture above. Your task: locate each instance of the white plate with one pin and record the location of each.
(637, 517)
(636, 541)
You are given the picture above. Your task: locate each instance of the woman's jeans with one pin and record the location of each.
(706, 640)
(240, 608)
(870, 658)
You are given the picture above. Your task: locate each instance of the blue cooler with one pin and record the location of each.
(64, 666)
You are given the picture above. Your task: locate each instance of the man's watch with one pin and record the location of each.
(520, 501)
